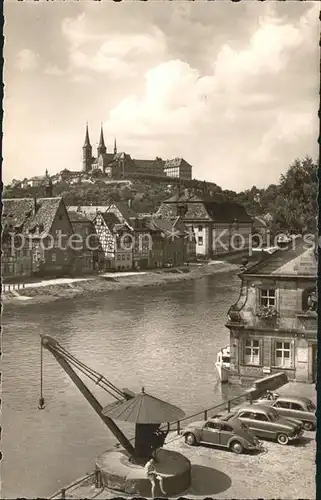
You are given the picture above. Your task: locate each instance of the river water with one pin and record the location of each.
(162, 338)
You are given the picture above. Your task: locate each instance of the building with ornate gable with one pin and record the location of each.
(218, 227)
(273, 325)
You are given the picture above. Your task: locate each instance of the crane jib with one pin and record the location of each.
(68, 362)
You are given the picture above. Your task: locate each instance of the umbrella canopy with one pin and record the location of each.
(143, 409)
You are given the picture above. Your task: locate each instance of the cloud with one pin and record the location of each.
(182, 107)
(26, 60)
(118, 54)
(54, 71)
(80, 78)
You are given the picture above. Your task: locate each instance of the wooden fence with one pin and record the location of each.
(8, 287)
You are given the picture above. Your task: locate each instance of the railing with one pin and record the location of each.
(12, 286)
(171, 426)
(207, 413)
(62, 493)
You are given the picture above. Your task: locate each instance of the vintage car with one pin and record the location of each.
(233, 434)
(266, 423)
(295, 407)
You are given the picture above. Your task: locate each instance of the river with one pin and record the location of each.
(163, 338)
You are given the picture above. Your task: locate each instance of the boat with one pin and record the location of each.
(223, 363)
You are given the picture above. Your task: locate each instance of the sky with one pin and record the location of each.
(230, 87)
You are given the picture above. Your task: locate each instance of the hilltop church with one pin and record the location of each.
(121, 165)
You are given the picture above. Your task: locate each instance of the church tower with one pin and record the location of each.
(86, 153)
(101, 146)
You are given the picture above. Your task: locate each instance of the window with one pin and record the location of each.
(226, 428)
(296, 406)
(53, 257)
(200, 228)
(261, 417)
(283, 354)
(200, 240)
(66, 255)
(251, 352)
(247, 414)
(123, 257)
(281, 404)
(267, 297)
(212, 426)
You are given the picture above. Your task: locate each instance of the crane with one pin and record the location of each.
(68, 362)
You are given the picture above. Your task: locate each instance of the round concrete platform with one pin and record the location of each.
(119, 474)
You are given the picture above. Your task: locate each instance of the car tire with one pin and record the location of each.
(282, 439)
(236, 447)
(308, 426)
(190, 439)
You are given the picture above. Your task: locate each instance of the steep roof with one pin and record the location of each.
(75, 216)
(149, 163)
(126, 211)
(110, 219)
(20, 212)
(176, 162)
(184, 197)
(297, 259)
(227, 212)
(106, 158)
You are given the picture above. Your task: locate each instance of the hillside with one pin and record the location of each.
(292, 203)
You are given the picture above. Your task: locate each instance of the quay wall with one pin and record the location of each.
(108, 283)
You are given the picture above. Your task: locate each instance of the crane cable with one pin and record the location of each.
(41, 404)
(94, 376)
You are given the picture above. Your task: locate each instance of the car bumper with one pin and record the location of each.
(297, 435)
(256, 446)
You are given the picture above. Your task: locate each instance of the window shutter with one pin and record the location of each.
(261, 352)
(292, 354)
(241, 351)
(273, 345)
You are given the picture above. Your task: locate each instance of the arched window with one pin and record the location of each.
(309, 299)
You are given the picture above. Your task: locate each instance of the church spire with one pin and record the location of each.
(86, 152)
(87, 141)
(101, 146)
(115, 147)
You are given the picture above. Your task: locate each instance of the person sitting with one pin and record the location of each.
(153, 475)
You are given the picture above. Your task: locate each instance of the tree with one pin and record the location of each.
(296, 203)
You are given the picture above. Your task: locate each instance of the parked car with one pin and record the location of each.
(295, 407)
(233, 435)
(266, 423)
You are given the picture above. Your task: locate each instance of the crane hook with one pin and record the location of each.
(41, 405)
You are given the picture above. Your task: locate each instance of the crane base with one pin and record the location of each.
(118, 473)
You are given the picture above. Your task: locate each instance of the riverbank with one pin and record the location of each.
(52, 290)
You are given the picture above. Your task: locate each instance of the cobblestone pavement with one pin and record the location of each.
(284, 472)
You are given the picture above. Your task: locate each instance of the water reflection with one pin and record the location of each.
(165, 339)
